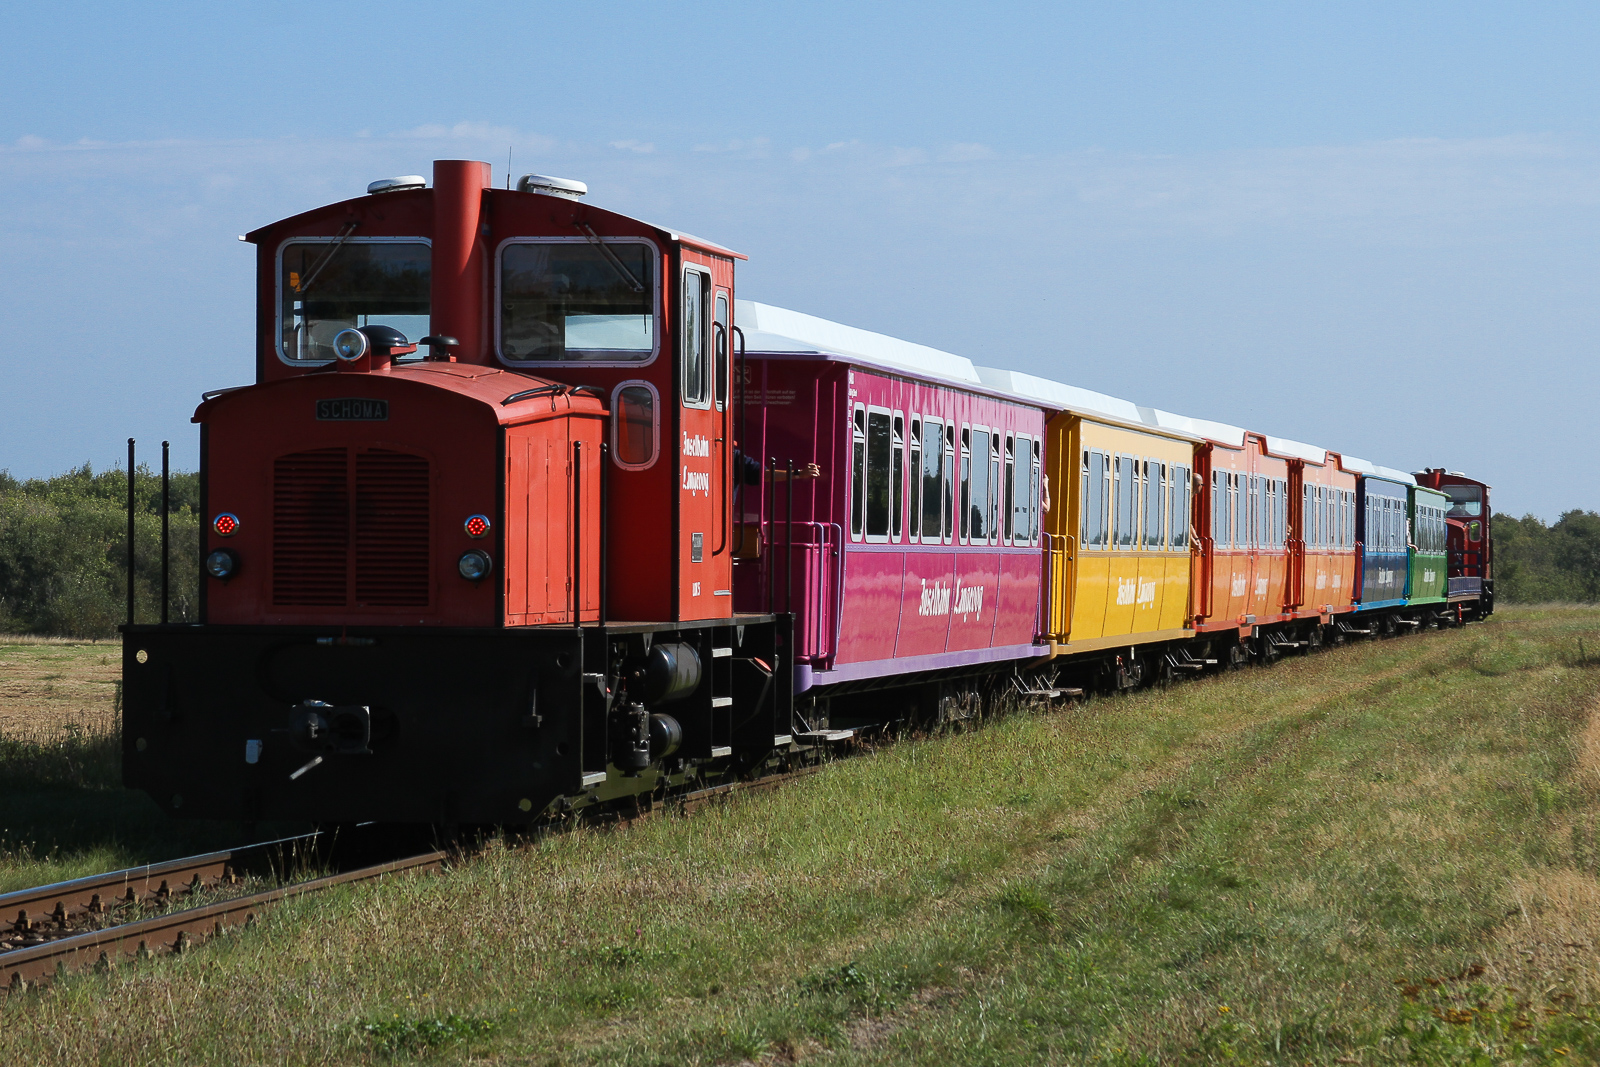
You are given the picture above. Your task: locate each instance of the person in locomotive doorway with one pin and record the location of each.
(747, 471)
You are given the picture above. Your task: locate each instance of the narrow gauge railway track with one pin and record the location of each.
(94, 921)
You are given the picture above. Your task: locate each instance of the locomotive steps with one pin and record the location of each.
(1239, 868)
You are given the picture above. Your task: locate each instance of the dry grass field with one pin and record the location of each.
(49, 686)
(1383, 854)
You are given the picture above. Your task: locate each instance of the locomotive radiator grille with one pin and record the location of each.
(321, 527)
(391, 529)
(310, 528)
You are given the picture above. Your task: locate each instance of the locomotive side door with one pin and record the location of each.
(705, 556)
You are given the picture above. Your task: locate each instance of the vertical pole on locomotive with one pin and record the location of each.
(605, 540)
(788, 544)
(770, 477)
(166, 531)
(577, 533)
(130, 531)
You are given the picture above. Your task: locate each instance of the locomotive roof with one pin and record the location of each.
(778, 330)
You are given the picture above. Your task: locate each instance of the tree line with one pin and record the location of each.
(64, 553)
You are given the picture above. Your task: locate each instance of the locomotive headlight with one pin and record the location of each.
(350, 344)
(226, 524)
(477, 526)
(222, 564)
(475, 565)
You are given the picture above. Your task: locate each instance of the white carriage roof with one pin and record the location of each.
(778, 330)
(1058, 395)
(1362, 466)
(1282, 446)
(1220, 432)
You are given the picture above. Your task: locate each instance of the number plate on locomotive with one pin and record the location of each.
(352, 409)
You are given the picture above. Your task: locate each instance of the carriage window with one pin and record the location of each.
(966, 483)
(880, 456)
(577, 301)
(932, 465)
(949, 480)
(1239, 490)
(1092, 523)
(897, 478)
(916, 478)
(331, 285)
(1283, 513)
(719, 337)
(1178, 508)
(858, 467)
(1033, 493)
(635, 434)
(1220, 510)
(995, 481)
(982, 529)
(1018, 486)
(1155, 499)
(1127, 500)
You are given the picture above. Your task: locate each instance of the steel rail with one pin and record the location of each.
(90, 899)
(61, 904)
(176, 931)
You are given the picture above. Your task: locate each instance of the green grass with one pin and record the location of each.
(1382, 854)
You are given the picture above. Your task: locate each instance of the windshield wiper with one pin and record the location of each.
(316, 268)
(611, 257)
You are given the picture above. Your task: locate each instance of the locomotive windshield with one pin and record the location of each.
(329, 285)
(1466, 501)
(577, 300)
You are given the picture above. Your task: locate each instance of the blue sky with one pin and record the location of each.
(1256, 213)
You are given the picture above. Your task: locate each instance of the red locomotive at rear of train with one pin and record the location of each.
(461, 582)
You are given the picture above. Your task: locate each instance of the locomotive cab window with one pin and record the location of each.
(577, 301)
(327, 285)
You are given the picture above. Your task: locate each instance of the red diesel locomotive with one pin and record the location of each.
(458, 588)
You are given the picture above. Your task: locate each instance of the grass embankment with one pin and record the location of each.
(1383, 852)
(63, 811)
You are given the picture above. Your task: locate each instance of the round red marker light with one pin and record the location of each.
(226, 524)
(477, 526)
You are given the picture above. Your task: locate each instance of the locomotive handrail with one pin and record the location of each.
(554, 390)
(726, 463)
(818, 542)
(744, 443)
